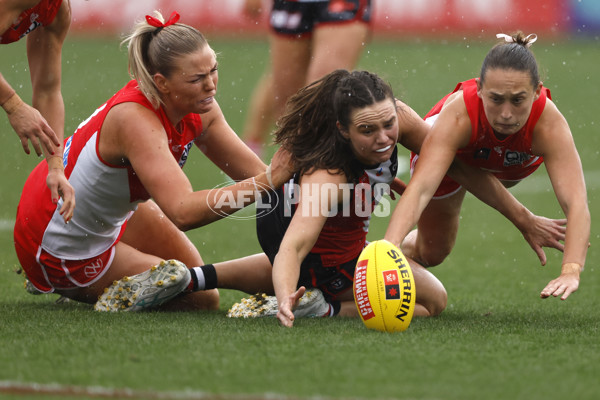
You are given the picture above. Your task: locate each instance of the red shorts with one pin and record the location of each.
(48, 273)
(447, 187)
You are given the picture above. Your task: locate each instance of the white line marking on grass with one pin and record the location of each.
(55, 389)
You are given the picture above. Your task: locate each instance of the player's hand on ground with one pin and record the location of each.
(285, 314)
(280, 168)
(29, 125)
(60, 187)
(565, 284)
(544, 232)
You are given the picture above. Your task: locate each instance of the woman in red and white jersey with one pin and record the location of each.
(505, 123)
(129, 151)
(45, 23)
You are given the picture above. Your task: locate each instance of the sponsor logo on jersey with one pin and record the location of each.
(515, 158)
(185, 154)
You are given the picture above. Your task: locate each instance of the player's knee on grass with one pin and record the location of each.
(432, 254)
(438, 303)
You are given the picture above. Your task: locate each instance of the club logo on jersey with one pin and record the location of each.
(94, 268)
(337, 284)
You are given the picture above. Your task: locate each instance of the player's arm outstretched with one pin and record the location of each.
(538, 231)
(554, 141)
(300, 237)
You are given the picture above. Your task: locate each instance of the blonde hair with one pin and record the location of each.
(154, 50)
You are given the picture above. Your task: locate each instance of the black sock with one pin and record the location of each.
(337, 305)
(210, 276)
(203, 278)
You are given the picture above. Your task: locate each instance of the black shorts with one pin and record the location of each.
(301, 17)
(271, 227)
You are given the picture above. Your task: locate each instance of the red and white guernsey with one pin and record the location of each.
(40, 15)
(510, 158)
(106, 194)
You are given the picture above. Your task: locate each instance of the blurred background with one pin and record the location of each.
(390, 18)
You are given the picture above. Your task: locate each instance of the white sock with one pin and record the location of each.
(198, 278)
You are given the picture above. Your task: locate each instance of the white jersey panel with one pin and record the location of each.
(103, 206)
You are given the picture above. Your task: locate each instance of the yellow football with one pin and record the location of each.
(384, 287)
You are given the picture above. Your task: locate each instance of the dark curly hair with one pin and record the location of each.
(308, 128)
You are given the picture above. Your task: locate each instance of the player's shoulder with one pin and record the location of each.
(456, 100)
(133, 119)
(550, 118)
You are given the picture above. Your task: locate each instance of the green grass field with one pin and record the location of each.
(496, 340)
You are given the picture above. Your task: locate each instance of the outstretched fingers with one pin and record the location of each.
(285, 315)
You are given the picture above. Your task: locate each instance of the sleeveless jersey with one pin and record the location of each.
(106, 194)
(510, 158)
(40, 15)
(344, 234)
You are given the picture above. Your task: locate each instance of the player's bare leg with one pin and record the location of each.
(436, 231)
(290, 58)
(149, 238)
(261, 115)
(336, 47)
(251, 274)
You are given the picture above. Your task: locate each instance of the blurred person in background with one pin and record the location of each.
(134, 201)
(503, 122)
(308, 39)
(45, 23)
